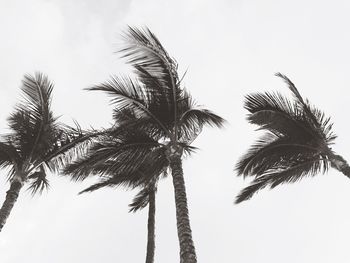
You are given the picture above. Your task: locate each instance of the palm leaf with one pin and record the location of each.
(315, 117)
(69, 143)
(193, 120)
(291, 86)
(114, 155)
(109, 182)
(272, 112)
(39, 181)
(32, 123)
(271, 151)
(290, 174)
(129, 96)
(126, 94)
(143, 173)
(151, 61)
(141, 199)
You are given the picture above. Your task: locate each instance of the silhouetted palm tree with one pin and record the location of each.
(164, 110)
(128, 158)
(35, 143)
(297, 143)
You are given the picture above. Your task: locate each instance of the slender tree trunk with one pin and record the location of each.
(11, 198)
(151, 227)
(187, 249)
(339, 163)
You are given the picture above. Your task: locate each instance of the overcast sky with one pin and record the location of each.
(230, 48)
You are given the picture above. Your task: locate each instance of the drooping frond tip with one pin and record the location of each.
(284, 173)
(97, 186)
(291, 86)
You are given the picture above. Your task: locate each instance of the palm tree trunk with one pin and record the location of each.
(151, 227)
(339, 163)
(11, 198)
(187, 249)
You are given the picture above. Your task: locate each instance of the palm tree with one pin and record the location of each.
(297, 143)
(36, 142)
(128, 158)
(164, 110)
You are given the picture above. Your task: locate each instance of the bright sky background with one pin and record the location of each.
(230, 48)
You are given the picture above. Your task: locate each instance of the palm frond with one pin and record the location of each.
(126, 94)
(273, 101)
(37, 91)
(291, 86)
(161, 94)
(38, 181)
(188, 150)
(272, 112)
(299, 170)
(141, 199)
(22, 133)
(289, 174)
(130, 97)
(142, 174)
(323, 125)
(317, 122)
(113, 155)
(272, 151)
(126, 121)
(193, 120)
(144, 51)
(248, 192)
(70, 142)
(109, 182)
(32, 123)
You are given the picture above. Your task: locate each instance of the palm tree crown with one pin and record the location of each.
(157, 99)
(36, 142)
(128, 158)
(297, 142)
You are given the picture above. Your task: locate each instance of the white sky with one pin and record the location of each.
(231, 48)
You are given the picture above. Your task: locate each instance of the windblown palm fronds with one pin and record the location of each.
(36, 142)
(296, 145)
(156, 96)
(125, 157)
(156, 104)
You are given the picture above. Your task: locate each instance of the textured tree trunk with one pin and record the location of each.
(11, 198)
(187, 249)
(339, 163)
(151, 227)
